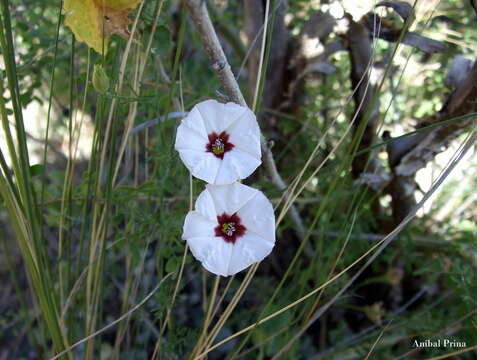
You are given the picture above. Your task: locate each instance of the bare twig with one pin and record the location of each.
(147, 124)
(221, 67)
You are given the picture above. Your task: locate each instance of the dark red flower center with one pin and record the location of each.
(230, 227)
(219, 144)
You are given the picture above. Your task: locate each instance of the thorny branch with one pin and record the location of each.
(222, 70)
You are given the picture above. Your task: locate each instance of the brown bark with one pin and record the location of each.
(361, 55)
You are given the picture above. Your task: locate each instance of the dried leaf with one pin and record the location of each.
(392, 34)
(423, 43)
(94, 21)
(403, 8)
(458, 71)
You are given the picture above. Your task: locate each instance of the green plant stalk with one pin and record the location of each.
(66, 201)
(268, 45)
(21, 164)
(130, 287)
(374, 100)
(207, 320)
(132, 290)
(101, 212)
(48, 115)
(24, 307)
(356, 202)
(358, 197)
(92, 180)
(27, 226)
(175, 70)
(345, 165)
(155, 170)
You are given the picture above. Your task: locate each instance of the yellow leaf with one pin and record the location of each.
(82, 18)
(93, 20)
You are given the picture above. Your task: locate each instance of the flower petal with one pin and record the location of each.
(212, 252)
(248, 250)
(227, 173)
(217, 116)
(194, 121)
(187, 138)
(201, 164)
(196, 225)
(258, 216)
(230, 198)
(245, 134)
(255, 213)
(205, 206)
(242, 162)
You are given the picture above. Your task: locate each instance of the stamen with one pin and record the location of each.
(218, 147)
(219, 144)
(228, 228)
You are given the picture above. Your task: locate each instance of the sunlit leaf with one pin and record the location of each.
(94, 21)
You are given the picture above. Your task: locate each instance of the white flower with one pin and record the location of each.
(219, 143)
(232, 227)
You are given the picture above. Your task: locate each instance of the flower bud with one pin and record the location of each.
(100, 79)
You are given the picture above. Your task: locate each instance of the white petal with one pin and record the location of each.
(201, 247)
(196, 225)
(227, 173)
(245, 134)
(216, 116)
(230, 198)
(256, 214)
(213, 252)
(243, 163)
(205, 206)
(258, 217)
(194, 121)
(187, 138)
(236, 165)
(248, 250)
(201, 164)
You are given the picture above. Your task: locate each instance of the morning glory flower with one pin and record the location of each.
(219, 143)
(232, 227)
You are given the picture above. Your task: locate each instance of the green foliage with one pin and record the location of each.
(100, 240)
